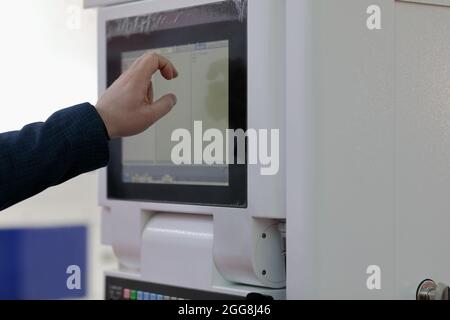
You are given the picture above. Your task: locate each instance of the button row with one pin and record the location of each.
(140, 295)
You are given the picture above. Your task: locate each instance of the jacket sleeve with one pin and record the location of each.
(41, 155)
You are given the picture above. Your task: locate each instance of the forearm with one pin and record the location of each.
(71, 142)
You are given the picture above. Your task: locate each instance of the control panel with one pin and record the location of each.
(124, 289)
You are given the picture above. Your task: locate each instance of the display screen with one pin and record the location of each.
(190, 156)
(202, 89)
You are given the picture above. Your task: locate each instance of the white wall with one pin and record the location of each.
(48, 62)
(48, 59)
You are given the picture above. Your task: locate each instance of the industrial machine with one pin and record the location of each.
(213, 230)
(359, 93)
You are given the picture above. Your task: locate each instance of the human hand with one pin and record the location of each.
(127, 107)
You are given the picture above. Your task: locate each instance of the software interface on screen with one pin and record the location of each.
(202, 89)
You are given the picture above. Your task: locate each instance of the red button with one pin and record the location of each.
(126, 294)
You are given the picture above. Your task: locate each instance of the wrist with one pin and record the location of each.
(106, 123)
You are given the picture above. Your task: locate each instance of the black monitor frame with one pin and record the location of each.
(233, 195)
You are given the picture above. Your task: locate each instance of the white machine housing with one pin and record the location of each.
(365, 181)
(368, 180)
(210, 248)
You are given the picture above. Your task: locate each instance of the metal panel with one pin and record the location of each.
(432, 2)
(374, 149)
(348, 223)
(104, 3)
(422, 145)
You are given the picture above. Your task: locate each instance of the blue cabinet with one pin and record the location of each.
(34, 263)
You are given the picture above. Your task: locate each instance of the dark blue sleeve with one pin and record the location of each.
(41, 155)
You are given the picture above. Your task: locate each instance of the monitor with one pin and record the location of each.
(212, 94)
(202, 91)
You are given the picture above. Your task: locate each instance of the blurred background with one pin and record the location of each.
(49, 62)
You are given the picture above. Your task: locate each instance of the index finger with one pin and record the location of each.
(152, 62)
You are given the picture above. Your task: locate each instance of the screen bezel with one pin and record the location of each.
(233, 195)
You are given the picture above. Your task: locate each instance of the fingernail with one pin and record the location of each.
(174, 100)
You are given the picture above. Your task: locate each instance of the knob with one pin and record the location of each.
(430, 290)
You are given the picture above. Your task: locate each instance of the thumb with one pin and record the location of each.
(161, 107)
